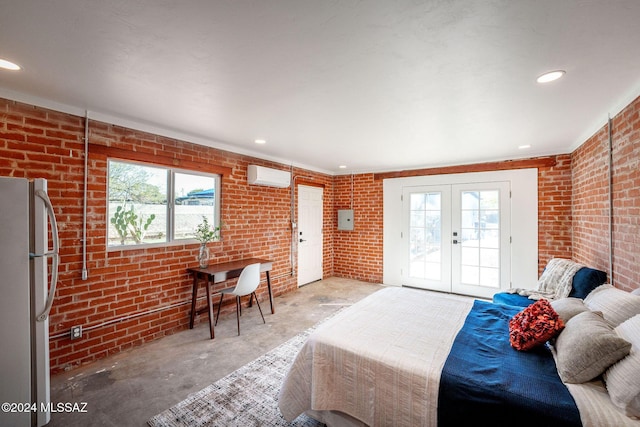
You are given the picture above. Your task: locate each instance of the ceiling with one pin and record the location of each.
(374, 85)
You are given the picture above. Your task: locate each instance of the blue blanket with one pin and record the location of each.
(485, 380)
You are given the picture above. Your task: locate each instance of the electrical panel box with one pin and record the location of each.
(345, 219)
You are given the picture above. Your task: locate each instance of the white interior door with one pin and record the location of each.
(309, 234)
(457, 237)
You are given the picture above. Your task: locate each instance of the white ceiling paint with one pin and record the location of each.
(374, 85)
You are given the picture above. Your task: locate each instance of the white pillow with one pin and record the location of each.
(615, 304)
(623, 378)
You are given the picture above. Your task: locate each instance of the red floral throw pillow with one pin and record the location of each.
(534, 326)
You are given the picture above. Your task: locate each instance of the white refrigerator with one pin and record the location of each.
(28, 276)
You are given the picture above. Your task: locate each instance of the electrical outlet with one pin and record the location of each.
(76, 332)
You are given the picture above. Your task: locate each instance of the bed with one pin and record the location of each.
(408, 357)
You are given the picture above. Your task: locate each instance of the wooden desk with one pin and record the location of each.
(217, 273)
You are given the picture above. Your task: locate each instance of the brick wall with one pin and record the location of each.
(357, 254)
(554, 211)
(591, 208)
(591, 202)
(113, 305)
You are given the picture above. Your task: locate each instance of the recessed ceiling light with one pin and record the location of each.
(342, 166)
(260, 141)
(524, 147)
(8, 65)
(550, 76)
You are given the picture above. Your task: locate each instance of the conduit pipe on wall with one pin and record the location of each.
(143, 313)
(610, 202)
(85, 273)
(351, 206)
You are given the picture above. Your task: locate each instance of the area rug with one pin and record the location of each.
(246, 397)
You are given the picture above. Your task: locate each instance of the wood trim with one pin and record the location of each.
(309, 183)
(477, 167)
(155, 159)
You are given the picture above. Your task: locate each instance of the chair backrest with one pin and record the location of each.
(248, 281)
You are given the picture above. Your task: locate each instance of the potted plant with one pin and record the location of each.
(205, 234)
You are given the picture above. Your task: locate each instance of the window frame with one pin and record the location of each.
(170, 205)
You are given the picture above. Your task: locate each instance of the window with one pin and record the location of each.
(151, 204)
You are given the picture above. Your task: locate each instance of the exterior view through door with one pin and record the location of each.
(458, 237)
(470, 233)
(309, 234)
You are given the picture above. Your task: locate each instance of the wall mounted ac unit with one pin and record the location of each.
(259, 175)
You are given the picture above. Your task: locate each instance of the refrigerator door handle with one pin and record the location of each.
(54, 254)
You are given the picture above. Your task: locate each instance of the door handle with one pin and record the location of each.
(455, 242)
(302, 240)
(54, 254)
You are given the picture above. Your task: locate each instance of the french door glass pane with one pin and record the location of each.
(490, 257)
(480, 238)
(469, 275)
(425, 236)
(470, 256)
(490, 277)
(417, 219)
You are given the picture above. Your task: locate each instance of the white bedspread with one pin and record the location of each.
(379, 361)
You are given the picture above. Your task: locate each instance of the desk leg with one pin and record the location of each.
(193, 300)
(270, 293)
(210, 306)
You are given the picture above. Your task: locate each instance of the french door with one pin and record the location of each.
(457, 237)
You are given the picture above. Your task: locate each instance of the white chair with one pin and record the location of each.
(247, 284)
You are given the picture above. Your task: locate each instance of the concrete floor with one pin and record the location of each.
(129, 388)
